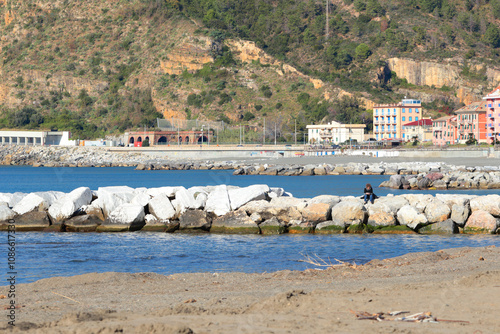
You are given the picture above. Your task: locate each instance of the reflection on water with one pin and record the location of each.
(42, 255)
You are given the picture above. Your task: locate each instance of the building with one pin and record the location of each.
(492, 115)
(388, 119)
(471, 122)
(444, 130)
(169, 137)
(15, 137)
(420, 130)
(335, 133)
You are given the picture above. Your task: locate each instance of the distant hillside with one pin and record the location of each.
(101, 67)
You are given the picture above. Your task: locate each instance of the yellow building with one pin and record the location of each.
(388, 119)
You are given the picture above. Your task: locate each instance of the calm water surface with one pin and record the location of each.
(42, 255)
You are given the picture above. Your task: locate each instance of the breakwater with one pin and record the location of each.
(257, 209)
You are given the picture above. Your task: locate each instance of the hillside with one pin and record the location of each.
(103, 67)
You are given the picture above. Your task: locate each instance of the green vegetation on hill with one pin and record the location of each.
(111, 52)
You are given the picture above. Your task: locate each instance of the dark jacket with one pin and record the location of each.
(370, 191)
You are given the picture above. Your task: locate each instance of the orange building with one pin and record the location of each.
(471, 122)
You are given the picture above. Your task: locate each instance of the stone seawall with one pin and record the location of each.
(257, 209)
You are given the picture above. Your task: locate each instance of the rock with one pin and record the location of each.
(109, 198)
(373, 171)
(316, 212)
(349, 213)
(388, 204)
(167, 191)
(6, 213)
(481, 221)
(418, 201)
(307, 171)
(194, 221)
(67, 205)
(396, 181)
(327, 199)
(218, 201)
(339, 170)
(128, 214)
(272, 226)
(141, 198)
(460, 214)
(83, 223)
(298, 227)
(330, 227)
(410, 217)
(381, 218)
(235, 222)
(31, 202)
(434, 176)
(161, 207)
(33, 221)
(443, 227)
(241, 196)
(276, 192)
(320, 170)
(424, 183)
(489, 203)
(153, 224)
(12, 199)
(437, 211)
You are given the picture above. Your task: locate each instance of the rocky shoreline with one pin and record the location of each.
(403, 175)
(257, 209)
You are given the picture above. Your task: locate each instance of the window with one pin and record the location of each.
(403, 136)
(394, 111)
(409, 118)
(416, 110)
(382, 112)
(403, 118)
(394, 119)
(416, 118)
(376, 112)
(409, 110)
(376, 136)
(489, 105)
(403, 111)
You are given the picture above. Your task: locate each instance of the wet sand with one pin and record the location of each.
(457, 284)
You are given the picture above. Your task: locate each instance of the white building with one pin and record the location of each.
(15, 137)
(335, 133)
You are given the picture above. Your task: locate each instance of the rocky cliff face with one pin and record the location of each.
(439, 75)
(425, 73)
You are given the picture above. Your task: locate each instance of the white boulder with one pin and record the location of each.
(241, 196)
(5, 212)
(128, 214)
(67, 205)
(218, 201)
(161, 208)
(410, 217)
(31, 202)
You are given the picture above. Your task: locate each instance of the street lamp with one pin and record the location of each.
(202, 135)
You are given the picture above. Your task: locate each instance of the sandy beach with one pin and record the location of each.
(456, 284)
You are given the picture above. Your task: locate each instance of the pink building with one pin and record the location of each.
(444, 130)
(492, 115)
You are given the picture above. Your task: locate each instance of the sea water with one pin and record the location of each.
(43, 255)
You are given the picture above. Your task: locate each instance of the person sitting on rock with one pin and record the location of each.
(368, 193)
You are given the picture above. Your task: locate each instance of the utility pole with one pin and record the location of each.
(264, 134)
(275, 133)
(295, 132)
(240, 134)
(327, 19)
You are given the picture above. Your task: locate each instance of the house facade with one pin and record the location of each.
(492, 106)
(444, 131)
(335, 133)
(420, 130)
(472, 123)
(388, 119)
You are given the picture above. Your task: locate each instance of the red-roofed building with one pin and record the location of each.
(420, 130)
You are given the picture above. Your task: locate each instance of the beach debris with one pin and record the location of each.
(66, 297)
(320, 262)
(3, 296)
(191, 300)
(389, 316)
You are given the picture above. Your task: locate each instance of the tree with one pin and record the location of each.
(362, 52)
(492, 36)
(145, 143)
